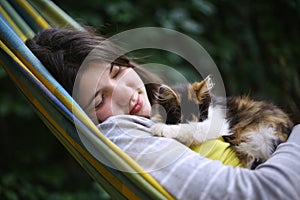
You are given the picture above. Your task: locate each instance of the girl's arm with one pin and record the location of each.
(187, 175)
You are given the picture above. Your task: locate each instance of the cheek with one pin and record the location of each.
(131, 78)
(104, 113)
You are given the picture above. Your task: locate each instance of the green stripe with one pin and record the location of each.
(67, 125)
(24, 27)
(55, 15)
(134, 181)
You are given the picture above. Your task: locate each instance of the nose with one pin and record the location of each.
(122, 94)
(124, 88)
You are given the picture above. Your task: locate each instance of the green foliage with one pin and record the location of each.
(14, 188)
(10, 99)
(255, 45)
(34, 165)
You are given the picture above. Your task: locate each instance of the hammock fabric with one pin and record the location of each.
(20, 20)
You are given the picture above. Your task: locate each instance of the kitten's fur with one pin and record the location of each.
(253, 128)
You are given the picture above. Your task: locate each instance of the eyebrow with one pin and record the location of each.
(98, 91)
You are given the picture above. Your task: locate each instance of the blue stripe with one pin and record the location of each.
(11, 39)
(31, 22)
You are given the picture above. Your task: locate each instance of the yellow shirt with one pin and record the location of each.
(218, 149)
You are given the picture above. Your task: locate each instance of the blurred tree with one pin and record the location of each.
(255, 45)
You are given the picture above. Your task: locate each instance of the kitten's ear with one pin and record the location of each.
(209, 82)
(203, 88)
(165, 103)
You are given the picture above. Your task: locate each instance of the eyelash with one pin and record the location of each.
(117, 73)
(98, 105)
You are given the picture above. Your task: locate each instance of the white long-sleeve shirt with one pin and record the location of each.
(188, 175)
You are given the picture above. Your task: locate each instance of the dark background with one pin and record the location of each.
(255, 45)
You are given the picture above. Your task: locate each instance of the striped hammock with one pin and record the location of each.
(20, 20)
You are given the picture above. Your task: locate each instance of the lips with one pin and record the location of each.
(137, 107)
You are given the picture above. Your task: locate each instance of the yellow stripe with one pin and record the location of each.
(93, 128)
(110, 178)
(32, 12)
(121, 153)
(12, 24)
(91, 160)
(81, 116)
(77, 111)
(11, 54)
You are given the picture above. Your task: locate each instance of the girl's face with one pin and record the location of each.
(107, 90)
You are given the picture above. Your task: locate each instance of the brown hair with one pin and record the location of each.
(62, 52)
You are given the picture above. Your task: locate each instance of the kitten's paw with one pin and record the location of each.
(164, 130)
(158, 129)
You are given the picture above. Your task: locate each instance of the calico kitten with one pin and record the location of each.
(253, 128)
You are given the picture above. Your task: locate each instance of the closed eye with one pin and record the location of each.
(115, 70)
(99, 102)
